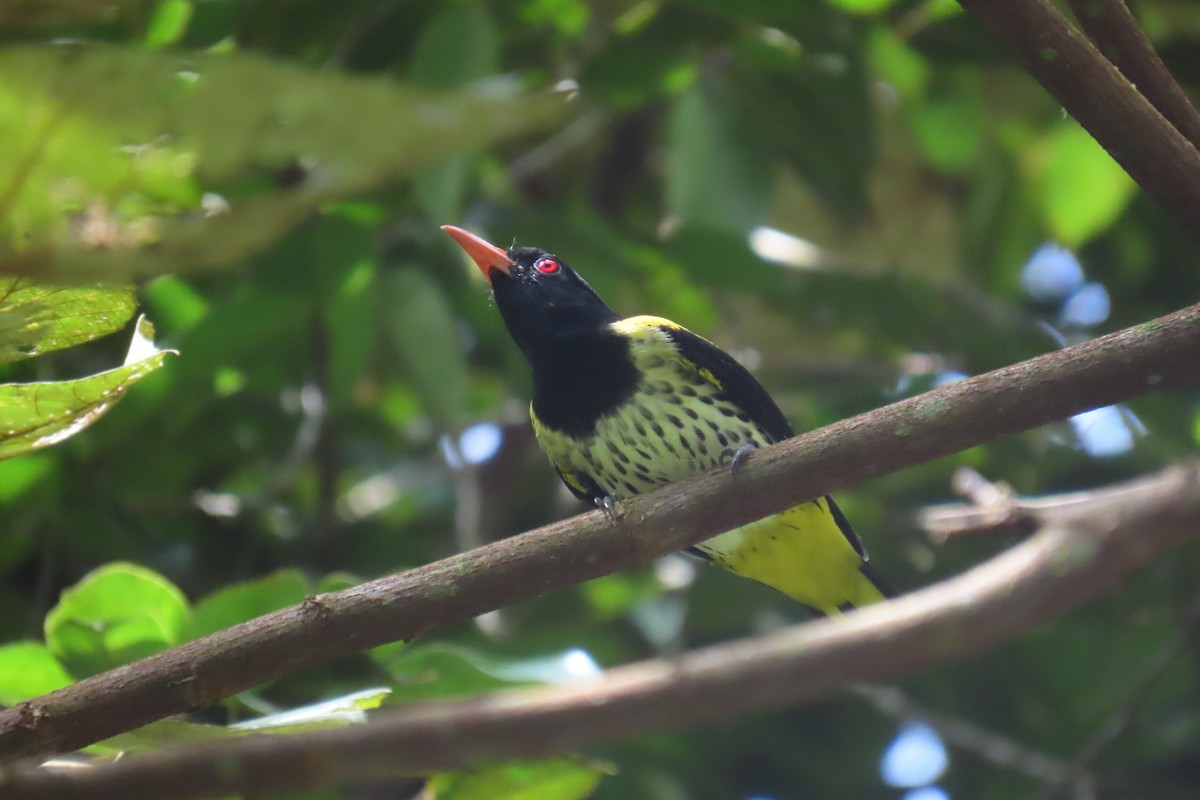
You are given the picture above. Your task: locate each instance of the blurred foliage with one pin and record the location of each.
(566, 780)
(845, 194)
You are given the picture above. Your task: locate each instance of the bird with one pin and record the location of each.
(622, 406)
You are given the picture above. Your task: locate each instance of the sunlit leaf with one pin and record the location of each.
(19, 475)
(346, 710)
(27, 669)
(168, 22)
(895, 61)
(36, 415)
(568, 17)
(334, 713)
(1081, 189)
(949, 126)
(560, 779)
(115, 614)
(141, 162)
(862, 6)
(174, 302)
(38, 318)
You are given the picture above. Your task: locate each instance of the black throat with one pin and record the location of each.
(579, 378)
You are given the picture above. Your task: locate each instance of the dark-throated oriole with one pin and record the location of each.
(623, 406)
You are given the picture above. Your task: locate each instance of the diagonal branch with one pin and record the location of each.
(1093, 91)
(1111, 25)
(1157, 354)
(1075, 557)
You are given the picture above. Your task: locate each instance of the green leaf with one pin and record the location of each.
(159, 734)
(19, 475)
(443, 670)
(334, 713)
(424, 333)
(117, 613)
(559, 779)
(239, 602)
(132, 162)
(458, 46)
(949, 126)
(898, 63)
(717, 173)
(862, 6)
(568, 17)
(815, 112)
(336, 582)
(27, 669)
(37, 318)
(429, 671)
(168, 22)
(174, 302)
(37, 415)
(1081, 189)
(354, 327)
(613, 596)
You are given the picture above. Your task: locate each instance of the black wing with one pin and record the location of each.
(743, 390)
(737, 384)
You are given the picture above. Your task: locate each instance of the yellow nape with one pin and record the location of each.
(634, 325)
(802, 553)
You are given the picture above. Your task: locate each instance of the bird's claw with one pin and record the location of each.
(738, 456)
(608, 506)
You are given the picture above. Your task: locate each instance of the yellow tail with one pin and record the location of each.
(803, 553)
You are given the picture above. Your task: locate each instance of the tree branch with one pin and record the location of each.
(1076, 556)
(1157, 354)
(1093, 91)
(991, 508)
(1111, 25)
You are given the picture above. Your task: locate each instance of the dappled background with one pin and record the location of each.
(860, 199)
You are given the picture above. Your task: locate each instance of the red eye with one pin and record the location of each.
(547, 266)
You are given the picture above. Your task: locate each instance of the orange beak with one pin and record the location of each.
(485, 254)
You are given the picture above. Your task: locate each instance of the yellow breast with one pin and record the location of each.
(676, 422)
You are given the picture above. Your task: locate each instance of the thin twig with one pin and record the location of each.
(950, 520)
(966, 735)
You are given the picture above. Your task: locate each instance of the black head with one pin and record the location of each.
(543, 301)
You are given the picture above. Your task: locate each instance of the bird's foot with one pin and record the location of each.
(738, 456)
(608, 506)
